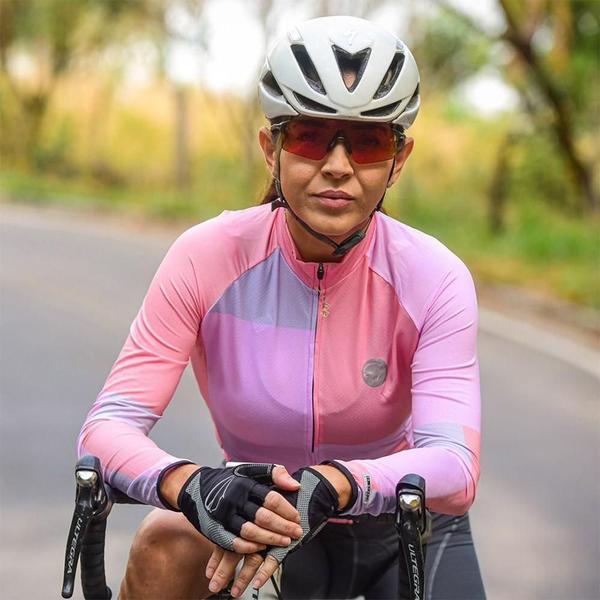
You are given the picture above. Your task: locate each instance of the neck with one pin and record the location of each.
(312, 249)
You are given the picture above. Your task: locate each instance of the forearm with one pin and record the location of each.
(131, 462)
(451, 480)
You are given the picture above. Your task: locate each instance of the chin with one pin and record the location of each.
(333, 226)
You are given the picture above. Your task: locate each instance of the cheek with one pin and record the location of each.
(375, 175)
(295, 175)
(373, 180)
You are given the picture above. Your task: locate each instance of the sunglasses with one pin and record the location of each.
(365, 142)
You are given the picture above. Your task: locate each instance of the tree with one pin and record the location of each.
(556, 44)
(53, 35)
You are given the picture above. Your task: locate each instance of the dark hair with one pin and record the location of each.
(270, 193)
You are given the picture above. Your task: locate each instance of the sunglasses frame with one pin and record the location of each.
(278, 129)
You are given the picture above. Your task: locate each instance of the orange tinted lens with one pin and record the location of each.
(371, 142)
(311, 138)
(308, 137)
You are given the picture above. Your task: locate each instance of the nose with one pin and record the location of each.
(337, 161)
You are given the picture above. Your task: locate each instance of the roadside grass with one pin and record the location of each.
(217, 187)
(541, 249)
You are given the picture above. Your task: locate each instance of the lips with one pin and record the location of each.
(335, 194)
(334, 199)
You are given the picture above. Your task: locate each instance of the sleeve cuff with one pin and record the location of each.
(354, 487)
(161, 476)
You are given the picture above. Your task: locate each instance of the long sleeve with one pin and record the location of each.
(144, 378)
(445, 409)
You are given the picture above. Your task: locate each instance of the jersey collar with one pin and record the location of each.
(334, 271)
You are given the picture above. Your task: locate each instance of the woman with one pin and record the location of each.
(325, 337)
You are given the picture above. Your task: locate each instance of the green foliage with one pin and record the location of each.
(582, 70)
(448, 52)
(542, 248)
(57, 24)
(52, 155)
(537, 175)
(545, 237)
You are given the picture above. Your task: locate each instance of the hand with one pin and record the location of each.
(316, 501)
(222, 564)
(232, 503)
(221, 567)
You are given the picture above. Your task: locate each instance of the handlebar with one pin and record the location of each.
(94, 500)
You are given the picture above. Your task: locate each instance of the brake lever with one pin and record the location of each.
(413, 524)
(90, 501)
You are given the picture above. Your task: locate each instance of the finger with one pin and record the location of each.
(213, 561)
(269, 566)
(224, 572)
(257, 534)
(242, 546)
(262, 472)
(278, 504)
(251, 564)
(235, 524)
(258, 492)
(249, 510)
(267, 519)
(282, 479)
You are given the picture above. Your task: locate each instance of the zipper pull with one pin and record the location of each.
(320, 271)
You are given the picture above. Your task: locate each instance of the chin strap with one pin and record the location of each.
(346, 245)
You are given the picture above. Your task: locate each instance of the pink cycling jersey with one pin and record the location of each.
(370, 361)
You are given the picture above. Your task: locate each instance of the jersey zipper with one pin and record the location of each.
(320, 275)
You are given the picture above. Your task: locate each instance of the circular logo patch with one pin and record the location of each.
(374, 372)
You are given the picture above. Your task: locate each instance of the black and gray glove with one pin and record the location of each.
(219, 501)
(316, 501)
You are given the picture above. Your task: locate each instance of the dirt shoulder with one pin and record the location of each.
(577, 323)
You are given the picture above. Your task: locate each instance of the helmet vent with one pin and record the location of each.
(271, 84)
(312, 105)
(389, 79)
(384, 111)
(414, 100)
(308, 68)
(351, 63)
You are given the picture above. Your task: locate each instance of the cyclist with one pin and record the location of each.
(325, 336)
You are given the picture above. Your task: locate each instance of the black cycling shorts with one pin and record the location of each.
(362, 559)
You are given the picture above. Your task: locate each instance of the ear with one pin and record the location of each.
(401, 158)
(265, 139)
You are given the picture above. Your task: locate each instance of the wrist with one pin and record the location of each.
(339, 482)
(345, 472)
(172, 481)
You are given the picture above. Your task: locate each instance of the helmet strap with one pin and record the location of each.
(380, 203)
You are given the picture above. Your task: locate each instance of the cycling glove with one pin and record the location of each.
(316, 501)
(219, 501)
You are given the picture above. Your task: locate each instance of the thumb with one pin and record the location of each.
(283, 480)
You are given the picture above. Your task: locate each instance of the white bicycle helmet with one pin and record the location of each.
(304, 73)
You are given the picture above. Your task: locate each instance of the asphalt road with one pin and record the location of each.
(69, 290)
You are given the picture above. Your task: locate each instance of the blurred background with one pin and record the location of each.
(150, 105)
(122, 122)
